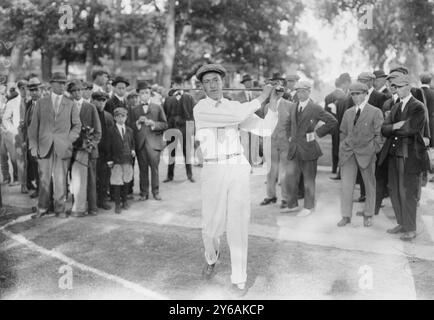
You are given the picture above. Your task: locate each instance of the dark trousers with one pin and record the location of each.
(32, 170)
(403, 193)
(382, 180)
(335, 152)
(120, 193)
(171, 168)
(148, 158)
(359, 181)
(295, 168)
(102, 179)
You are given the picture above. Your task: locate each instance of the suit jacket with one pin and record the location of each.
(179, 111)
(342, 105)
(377, 99)
(89, 118)
(152, 137)
(118, 145)
(49, 129)
(278, 137)
(387, 93)
(333, 98)
(409, 137)
(114, 103)
(107, 124)
(30, 107)
(296, 130)
(364, 139)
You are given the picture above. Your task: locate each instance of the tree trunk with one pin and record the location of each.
(46, 64)
(16, 62)
(89, 63)
(169, 49)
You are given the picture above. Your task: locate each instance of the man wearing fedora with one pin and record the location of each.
(303, 149)
(249, 141)
(118, 100)
(360, 141)
(406, 153)
(83, 171)
(54, 127)
(34, 88)
(148, 122)
(178, 108)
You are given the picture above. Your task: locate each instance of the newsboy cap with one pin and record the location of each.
(207, 68)
(393, 75)
(401, 81)
(292, 77)
(303, 85)
(100, 96)
(58, 77)
(358, 87)
(120, 111)
(366, 76)
(402, 70)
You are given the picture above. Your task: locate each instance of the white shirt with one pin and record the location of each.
(302, 105)
(383, 88)
(54, 98)
(361, 106)
(97, 88)
(120, 129)
(370, 92)
(79, 104)
(218, 125)
(120, 98)
(425, 86)
(395, 97)
(405, 101)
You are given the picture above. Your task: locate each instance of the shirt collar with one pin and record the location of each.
(383, 88)
(370, 91)
(395, 97)
(405, 101)
(425, 86)
(362, 105)
(120, 126)
(303, 104)
(119, 98)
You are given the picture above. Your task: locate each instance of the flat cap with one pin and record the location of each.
(401, 81)
(99, 95)
(292, 77)
(379, 74)
(303, 85)
(210, 68)
(393, 75)
(358, 87)
(120, 111)
(425, 77)
(366, 76)
(402, 70)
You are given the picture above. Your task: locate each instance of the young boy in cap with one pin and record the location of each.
(121, 158)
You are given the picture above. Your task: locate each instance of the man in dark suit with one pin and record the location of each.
(304, 150)
(149, 123)
(83, 171)
(360, 142)
(406, 153)
(342, 83)
(99, 99)
(178, 109)
(118, 99)
(54, 127)
(425, 79)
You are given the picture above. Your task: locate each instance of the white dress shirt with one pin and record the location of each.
(56, 99)
(121, 129)
(218, 124)
(302, 105)
(405, 101)
(79, 104)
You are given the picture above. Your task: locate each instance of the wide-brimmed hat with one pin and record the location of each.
(34, 83)
(277, 76)
(142, 85)
(120, 79)
(246, 77)
(58, 77)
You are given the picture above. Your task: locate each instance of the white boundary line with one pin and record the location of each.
(148, 294)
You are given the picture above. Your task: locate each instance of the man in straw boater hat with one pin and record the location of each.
(226, 171)
(54, 127)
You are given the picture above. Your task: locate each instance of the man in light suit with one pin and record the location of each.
(304, 150)
(360, 142)
(148, 122)
(54, 127)
(83, 172)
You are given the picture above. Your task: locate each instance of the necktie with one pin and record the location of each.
(357, 115)
(398, 113)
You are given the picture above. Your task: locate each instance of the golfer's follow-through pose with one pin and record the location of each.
(226, 172)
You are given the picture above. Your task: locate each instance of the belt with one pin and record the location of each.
(226, 157)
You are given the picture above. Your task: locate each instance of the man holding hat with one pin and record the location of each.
(118, 100)
(54, 127)
(406, 154)
(304, 150)
(83, 171)
(360, 136)
(34, 88)
(13, 122)
(226, 171)
(104, 148)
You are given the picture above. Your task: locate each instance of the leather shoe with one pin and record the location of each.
(77, 214)
(34, 194)
(283, 204)
(167, 180)
(118, 209)
(125, 205)
(191, 179)
(104, 206)
(157, 197)
(92, 213)
(362, 199)
(408, 236)
(367, 222)
(61, 215)
(39, 214)
(24, 189)
(143, 197)
(239, 290)
(396, 230)
(7, 181)
(336, 178)
(267, 201)
(344, 222)
(130, 197)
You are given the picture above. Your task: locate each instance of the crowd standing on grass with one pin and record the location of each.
(72, 138)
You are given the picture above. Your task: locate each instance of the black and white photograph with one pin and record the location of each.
(232, 152)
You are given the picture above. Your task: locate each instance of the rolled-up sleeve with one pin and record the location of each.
(261, 127)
